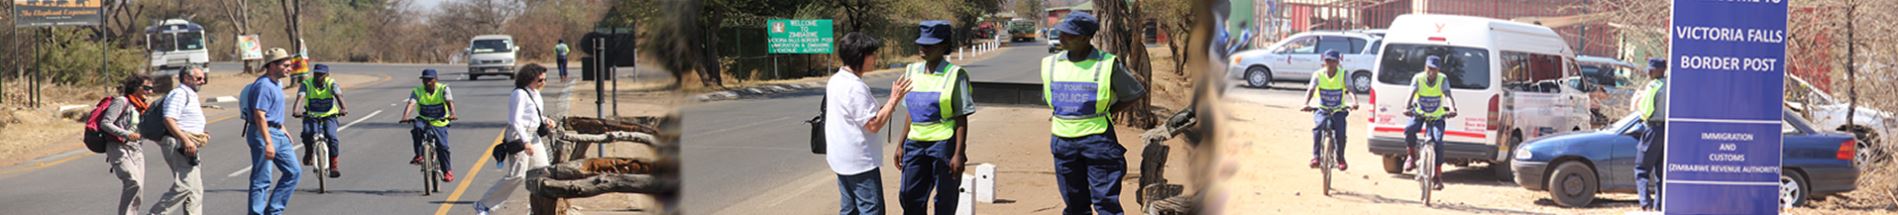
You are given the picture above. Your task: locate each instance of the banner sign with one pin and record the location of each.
(46, 13)
(802, 36)
(249, 48)
(1725, 94)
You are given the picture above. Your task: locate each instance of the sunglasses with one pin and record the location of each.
(147, 87)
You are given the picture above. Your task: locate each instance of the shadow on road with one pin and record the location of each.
(1599, 202)
(1479, 176)
(1377, 199)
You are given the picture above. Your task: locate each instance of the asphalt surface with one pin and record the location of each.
(741, 149)
(374, 156)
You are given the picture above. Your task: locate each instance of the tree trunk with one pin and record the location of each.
(1119, 36)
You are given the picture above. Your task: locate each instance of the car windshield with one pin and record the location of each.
(1626, 124)
(489, 46)
(1468, 68)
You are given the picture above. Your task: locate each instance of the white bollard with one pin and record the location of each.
(985, 183)
(966, 208)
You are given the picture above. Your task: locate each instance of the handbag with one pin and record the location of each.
(817, 127)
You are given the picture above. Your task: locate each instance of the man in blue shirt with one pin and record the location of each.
(261, 104)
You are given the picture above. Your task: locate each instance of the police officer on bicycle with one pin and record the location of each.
(435, 105)
(324, 104)
(1429, 102)
(1328, 85)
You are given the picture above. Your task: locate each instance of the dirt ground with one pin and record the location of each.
(1015, 139)
(1263, 151)
(43, 131)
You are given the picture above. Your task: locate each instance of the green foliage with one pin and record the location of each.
(72, 57)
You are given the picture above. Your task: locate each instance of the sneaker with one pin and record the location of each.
(1314, 163)
(416, 161)
(480, 209)
(1410, 163)
(1436, 185)
(1342, 166)
(448, 176)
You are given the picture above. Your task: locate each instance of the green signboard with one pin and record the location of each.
(799, 36)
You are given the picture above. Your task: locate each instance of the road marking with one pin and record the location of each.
(472, 172)
(358, 120)
(247, 169)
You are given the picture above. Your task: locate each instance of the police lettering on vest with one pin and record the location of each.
(931, 113)
(1079, 92)
(321, 97)
(432, 105)
(1429, 95)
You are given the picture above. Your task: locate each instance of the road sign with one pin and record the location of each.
(44, 13)
(1724, 107)
(247, 45)
(799, 36)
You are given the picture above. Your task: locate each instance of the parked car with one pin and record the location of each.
(1829, 114)
(1576, 166)
(1296, 57)
(1503, 75)
(1054, 39)
(491, 55)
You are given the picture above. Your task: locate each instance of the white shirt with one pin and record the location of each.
(848, 147)
(183, 106)
(523, 115)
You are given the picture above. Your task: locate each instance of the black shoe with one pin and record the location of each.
(1436, 185)
(336, 173)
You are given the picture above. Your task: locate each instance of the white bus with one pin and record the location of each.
(176, 43)
(1505, 77)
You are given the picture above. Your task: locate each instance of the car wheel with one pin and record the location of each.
(1259, 77)
(1361, 82)
(1867, 153)
(1793, 189)
(1393, 164)
(1501, 168)
(1573, 184)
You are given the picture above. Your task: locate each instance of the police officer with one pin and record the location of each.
(434, 103)
(1429, 102)
(1081, 84)
(939, 105)
(1652, 105)
(319, 115)
(1328, 85)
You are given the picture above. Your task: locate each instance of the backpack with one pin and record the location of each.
(95, 135)
(151, 125)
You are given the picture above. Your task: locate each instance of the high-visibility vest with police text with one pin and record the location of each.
(1079, 92)
(931, 112)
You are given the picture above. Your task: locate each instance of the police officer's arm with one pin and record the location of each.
(297, 105)
(1310, 90)
(1126, 88)
(962, 122)
(1448, 94)
(338, 93)
(1411, 101)
(408, 108)
(1349, 94)
(448, 96)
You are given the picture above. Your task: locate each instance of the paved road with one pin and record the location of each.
(375, 153)
(743, 148)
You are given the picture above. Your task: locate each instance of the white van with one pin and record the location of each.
(492, 54)
(1505, 77)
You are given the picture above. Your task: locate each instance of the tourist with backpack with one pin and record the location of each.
(179, 130)
(122, 151)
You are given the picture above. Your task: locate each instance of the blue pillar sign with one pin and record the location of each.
(1725, 84)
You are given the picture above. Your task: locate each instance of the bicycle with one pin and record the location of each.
(1327, 158)
(1426, 152)
(319, 156)
(430, 166)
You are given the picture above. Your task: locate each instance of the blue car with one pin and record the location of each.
(1573, 167)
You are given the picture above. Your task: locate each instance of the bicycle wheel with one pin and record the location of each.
(428, 160)
(320, 160)
(1327, 160)
(1429, 173)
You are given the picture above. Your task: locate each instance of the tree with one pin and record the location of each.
(1119, 34)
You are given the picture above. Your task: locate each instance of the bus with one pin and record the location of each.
(1021, 30)
(175, 43)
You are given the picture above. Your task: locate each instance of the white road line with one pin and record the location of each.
(358, 120)
(247, 169)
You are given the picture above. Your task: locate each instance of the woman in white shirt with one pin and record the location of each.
(523, 120)
(852, 117)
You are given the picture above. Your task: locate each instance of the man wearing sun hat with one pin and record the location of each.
(1083, 86)
(935, 142)
(262, 105)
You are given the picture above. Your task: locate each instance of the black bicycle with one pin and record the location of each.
(1327, 158)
